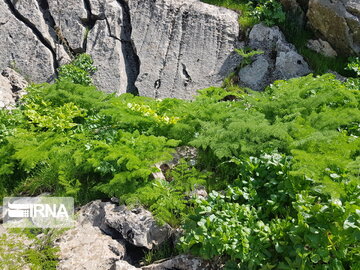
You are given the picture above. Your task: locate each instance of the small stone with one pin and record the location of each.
(254, 75)
(181, 262)
(123, 265)
(290, 65)
(321, 46)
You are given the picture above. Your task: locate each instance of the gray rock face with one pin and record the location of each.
(17, 82)
(106, 52)
(137, 226)
(338, 22)
(12, 86)
(279, 61)
(123, 265)
(164, 48)
(109, 42)
(70, 19)
(265, 38)
(86, 247)
(22, 49)
(183, 45)
(289, 64)
(36, 16)
(255, 74)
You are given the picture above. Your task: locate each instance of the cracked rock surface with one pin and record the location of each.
(86, 247)
(157, 48)
(12, 88)
(137, 226)
(21, 47)
(183, 45)
(108, 43)
(71, 15)
(164, 48)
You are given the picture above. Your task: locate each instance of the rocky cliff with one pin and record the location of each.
(166, 48)
(159, 48)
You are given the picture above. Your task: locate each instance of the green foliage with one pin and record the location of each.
(285, 164)
(54, 119)
(167, 200)
(129, 160)
(272, 222)
(265, 183)
(166, 203)
(79, 71)
(39, 252)
(304, 194)
(254, 11)
(354, 65)
(247, 56)
(70, 143)
(268, 11)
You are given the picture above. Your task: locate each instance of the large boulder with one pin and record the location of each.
(255, 75)
(137, 226)
(183, 46)
(36, 17)
(86, 247)
(279, 60)
(338, 22)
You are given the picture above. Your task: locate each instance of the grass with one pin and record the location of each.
(240, 6)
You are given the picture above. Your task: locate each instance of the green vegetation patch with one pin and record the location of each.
(253, 11)
(282, 167)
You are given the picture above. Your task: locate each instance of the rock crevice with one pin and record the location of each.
(172, 34)
(160, 49)
(165, 48)
(132, 61)
(39, 35)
